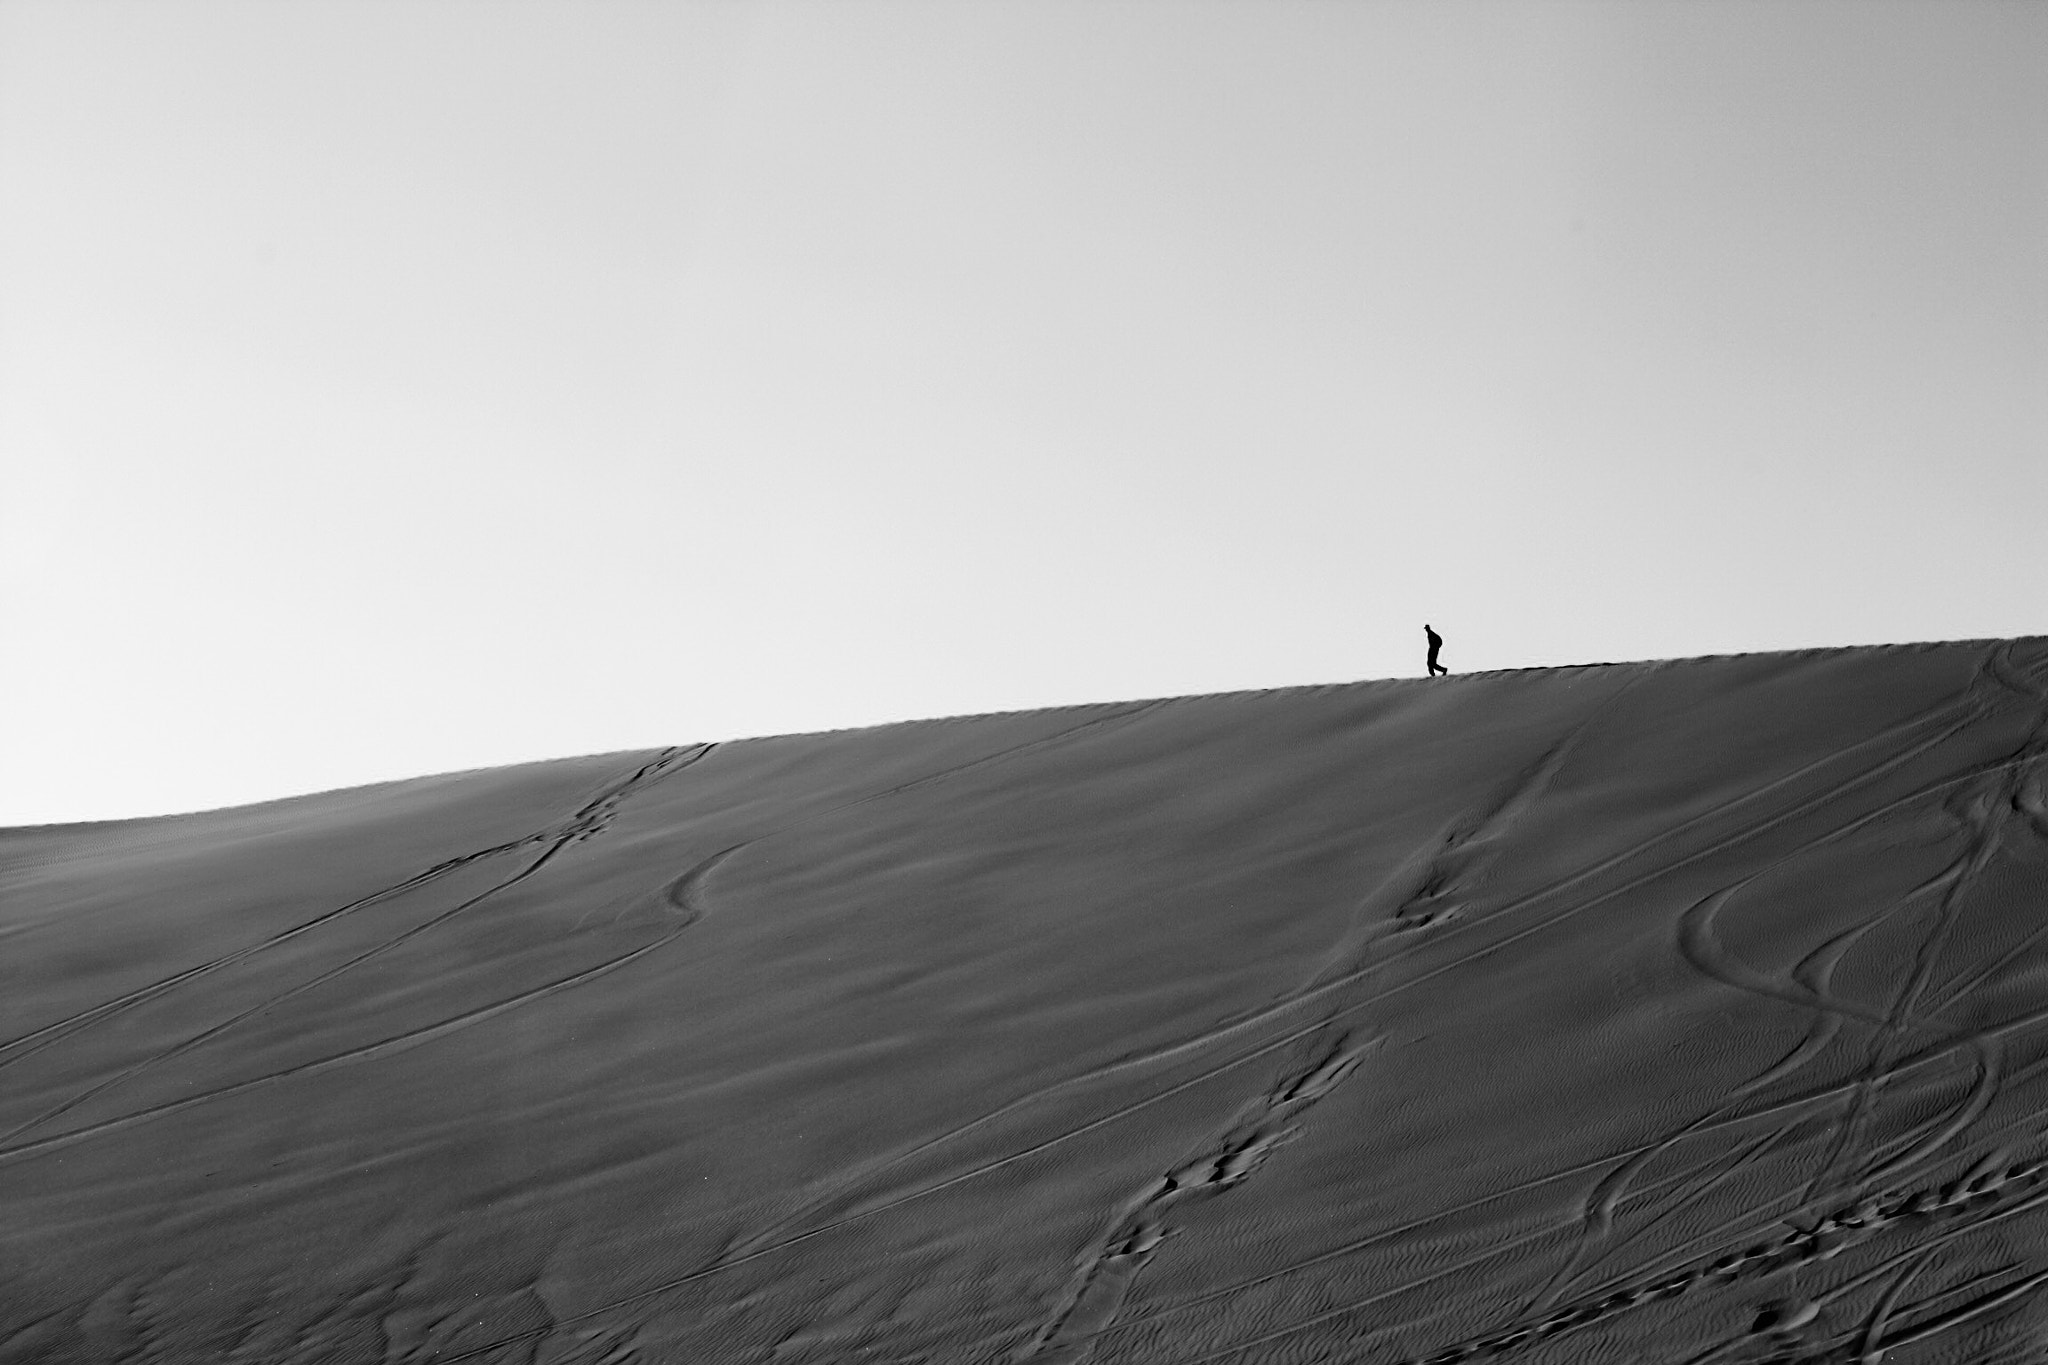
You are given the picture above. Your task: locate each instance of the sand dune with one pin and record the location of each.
(1688, 1012)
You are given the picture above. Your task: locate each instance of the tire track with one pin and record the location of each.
(1984, 841)
(1700, 947)
(1815, 972)
(1690, 1194)
(1867, 1343)
(1990, 1074)
(1600, 1206)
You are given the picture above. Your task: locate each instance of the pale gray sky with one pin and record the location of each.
(390, 388)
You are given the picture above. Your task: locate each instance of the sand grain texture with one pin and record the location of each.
(1688, 1012)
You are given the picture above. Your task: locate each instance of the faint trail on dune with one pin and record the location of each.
(1701, 948)
(586, 821)
(576, 825)
(683, 894)
(368, 1052)
(1990, 1079)
(1957, 1317)
(20, 1046)
(1867, 1344)
(1600, 1205)
(1683, 1193)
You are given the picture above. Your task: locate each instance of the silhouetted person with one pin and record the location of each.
(1436, 642)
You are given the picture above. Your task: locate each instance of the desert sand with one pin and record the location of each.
(1686, 1012)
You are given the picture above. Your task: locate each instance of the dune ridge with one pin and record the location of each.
(1686, 1011)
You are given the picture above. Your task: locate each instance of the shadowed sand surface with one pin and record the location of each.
(1683, 1012)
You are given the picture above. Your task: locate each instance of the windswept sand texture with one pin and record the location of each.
(1679, 1013)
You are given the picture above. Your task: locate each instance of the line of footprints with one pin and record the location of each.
(1835, 1232)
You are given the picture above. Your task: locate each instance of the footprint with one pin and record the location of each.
(1095, 1296)
(1992, 1178)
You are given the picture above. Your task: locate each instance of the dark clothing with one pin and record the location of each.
(1436, 642)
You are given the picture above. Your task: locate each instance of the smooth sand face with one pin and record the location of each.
(1691, 1012)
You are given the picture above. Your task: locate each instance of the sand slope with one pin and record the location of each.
(1685, 1012)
